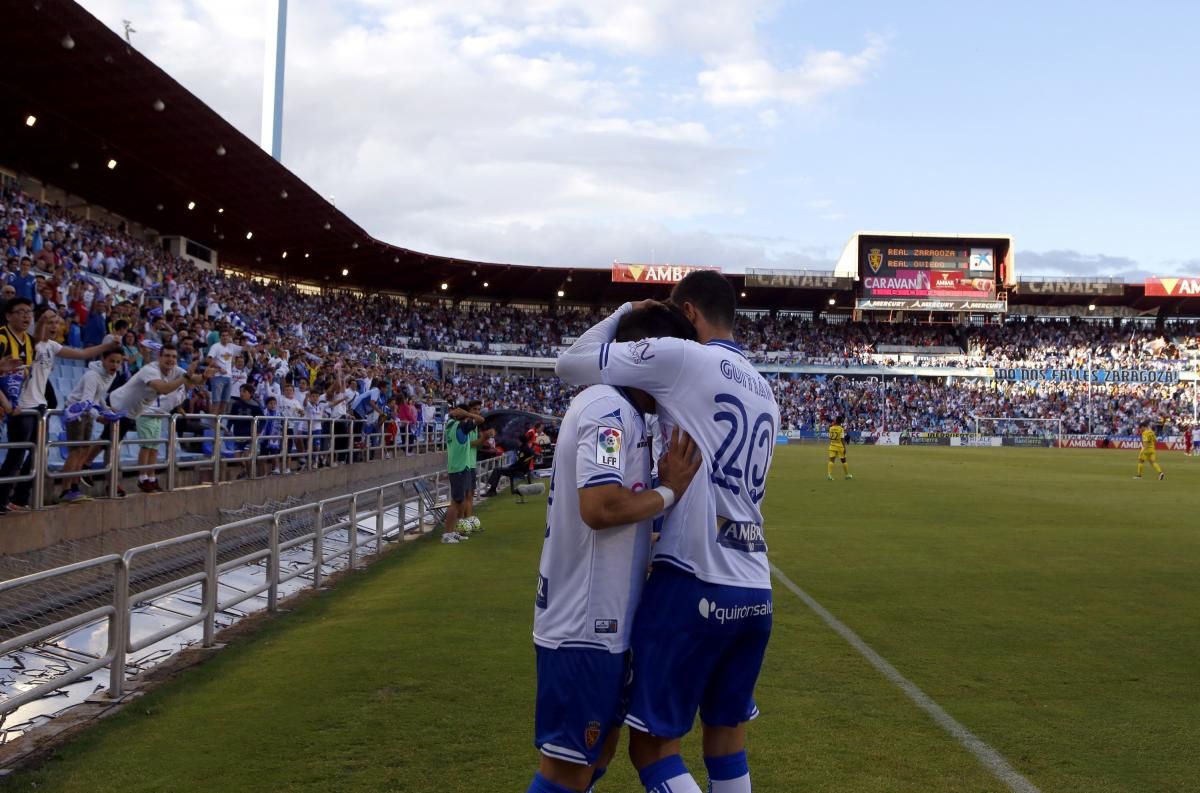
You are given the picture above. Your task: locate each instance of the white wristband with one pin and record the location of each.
(668, 496)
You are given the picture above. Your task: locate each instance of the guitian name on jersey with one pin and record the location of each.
(748, 381)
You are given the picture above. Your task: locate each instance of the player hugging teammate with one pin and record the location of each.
(711, 558)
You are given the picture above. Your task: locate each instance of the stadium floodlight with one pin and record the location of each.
(345, 272)
(743, 294)
(485, 284)
(74, 165)
(191, 205)
(327, 226)
(832, 301)
(561, 293)
(306, 256)
(68, 43)
(220, 151)
(30, 120)
(283, 193)
(284, 256)
(159, 105)
(354, 246)
(1091, 306)
(112, 164)
(220, 210)
(249, 235)
(445, 286)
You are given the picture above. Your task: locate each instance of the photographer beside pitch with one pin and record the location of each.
(702, 627)
(592, 569)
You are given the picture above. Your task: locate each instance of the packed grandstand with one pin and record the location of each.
(403, 354)
(353, 335)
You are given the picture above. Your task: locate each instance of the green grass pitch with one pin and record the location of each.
(1045, 599)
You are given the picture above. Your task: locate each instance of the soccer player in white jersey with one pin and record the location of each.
(593, 566)
(702, 627)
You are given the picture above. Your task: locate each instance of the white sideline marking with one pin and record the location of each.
(992, 760)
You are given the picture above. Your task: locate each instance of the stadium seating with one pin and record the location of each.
(321, 338)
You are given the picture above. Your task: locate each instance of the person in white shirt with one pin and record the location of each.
(704, 621)
(32, 403)
(91, 391)
(221, 356)
(337, 403)
(292, 409)
(598, 519)
(268, 388)
(152, 382)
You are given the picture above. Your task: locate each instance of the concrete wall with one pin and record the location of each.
(24, 532)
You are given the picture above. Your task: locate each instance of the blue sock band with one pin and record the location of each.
(599, 772)
(731, 766)
(655, 774)
(542, 785)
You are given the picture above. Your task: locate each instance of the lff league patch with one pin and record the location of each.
(608, 447)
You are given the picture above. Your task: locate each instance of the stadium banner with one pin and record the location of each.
(888, 439)
(781, 439)
(1026, 310)
(1173, 287)
(1097, 376)
(1027, 440)
(1120, 442)
(971, 440)
(623, 273)
(938, 303)
(1068, 286)
(925, 438)
(796, 279)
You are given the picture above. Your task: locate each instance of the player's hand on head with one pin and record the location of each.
(679, 465)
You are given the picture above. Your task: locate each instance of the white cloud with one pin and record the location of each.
(475, 127)
(753, 81)
(769, 118)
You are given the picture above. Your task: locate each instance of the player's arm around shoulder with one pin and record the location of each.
(607, 505)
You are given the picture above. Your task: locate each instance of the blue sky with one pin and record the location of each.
(745, 133)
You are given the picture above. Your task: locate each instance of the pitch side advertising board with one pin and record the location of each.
(934, 275)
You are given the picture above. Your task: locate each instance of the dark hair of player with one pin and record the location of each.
(840, 420)
(653, 322)
(711, 294)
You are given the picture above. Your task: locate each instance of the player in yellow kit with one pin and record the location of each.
(837, 447)
(1149, 452)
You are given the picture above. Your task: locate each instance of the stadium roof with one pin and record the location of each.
(97, 99)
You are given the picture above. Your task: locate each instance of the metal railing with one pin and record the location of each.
(137, 575)
(250, 446)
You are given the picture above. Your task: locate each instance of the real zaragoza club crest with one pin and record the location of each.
(875, 259)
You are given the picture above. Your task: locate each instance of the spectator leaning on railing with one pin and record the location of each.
(37, 353)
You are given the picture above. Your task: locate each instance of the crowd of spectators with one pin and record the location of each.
(107, 284)
(914, 404)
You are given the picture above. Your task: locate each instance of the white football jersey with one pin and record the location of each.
(589, 580)
(711, 391)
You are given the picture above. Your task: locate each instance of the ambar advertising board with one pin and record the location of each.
(1173, 287)
(623, 273)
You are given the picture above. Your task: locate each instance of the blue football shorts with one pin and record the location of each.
(580, 699)
(696, 646)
